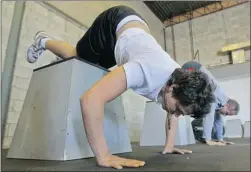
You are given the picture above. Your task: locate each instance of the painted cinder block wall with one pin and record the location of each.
(36, 17)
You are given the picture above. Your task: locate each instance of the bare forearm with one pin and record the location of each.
(167, 127)
(170, 133)
(92, 111)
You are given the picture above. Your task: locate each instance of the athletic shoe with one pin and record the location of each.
(36, 49)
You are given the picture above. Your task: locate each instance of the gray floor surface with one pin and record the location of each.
(204, 158)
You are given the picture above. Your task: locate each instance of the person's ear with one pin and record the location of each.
(171, 87)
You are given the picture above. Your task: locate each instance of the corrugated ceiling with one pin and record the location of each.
(166, 9)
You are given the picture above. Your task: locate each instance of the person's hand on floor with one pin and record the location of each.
(118, 163)
(213, 143)
(176, 151)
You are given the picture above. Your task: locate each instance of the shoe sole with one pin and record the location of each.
(28, 59)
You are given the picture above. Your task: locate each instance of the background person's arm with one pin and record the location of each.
(218, 125)
(208, 123)
(92, 106)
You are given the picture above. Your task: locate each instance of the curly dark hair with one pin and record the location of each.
(194, 90)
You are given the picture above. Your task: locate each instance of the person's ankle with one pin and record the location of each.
(43, 42)
(169, 147)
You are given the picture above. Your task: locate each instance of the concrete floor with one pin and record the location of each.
(204, 158)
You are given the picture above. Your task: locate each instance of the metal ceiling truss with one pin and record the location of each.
(212, 8)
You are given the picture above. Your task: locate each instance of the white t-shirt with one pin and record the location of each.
(147, 66)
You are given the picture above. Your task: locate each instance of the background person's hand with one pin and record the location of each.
(213, 143)
(227, 143)
(176, 151)
(118, 163)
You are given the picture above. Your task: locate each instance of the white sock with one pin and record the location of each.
(43, 41)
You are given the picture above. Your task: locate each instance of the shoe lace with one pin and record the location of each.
(37, 51)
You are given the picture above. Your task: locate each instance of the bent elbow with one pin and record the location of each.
(83, 99)
(84, 104)
(90, 104)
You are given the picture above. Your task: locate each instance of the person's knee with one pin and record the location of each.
(73, 53)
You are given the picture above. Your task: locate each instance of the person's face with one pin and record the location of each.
(172, 105)
(227, 111)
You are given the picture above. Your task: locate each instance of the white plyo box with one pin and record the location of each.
(234, 128)
(153, 131)
(246, 128)
(50, 125)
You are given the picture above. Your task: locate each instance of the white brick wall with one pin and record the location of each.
(15, 105)
(134, 107)
(18, 93)
(7, 13)
(210, 34)
(13, 117)
(36, 17)
(1, 38)
(210, 38)
(20, 82)
(182, 42)
(169, 42)
(7, 142)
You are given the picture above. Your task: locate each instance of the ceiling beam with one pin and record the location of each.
(212, 8)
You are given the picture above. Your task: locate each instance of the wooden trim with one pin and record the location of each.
(232, 47)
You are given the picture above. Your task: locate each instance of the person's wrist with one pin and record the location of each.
(103, 156)
(169, 147)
